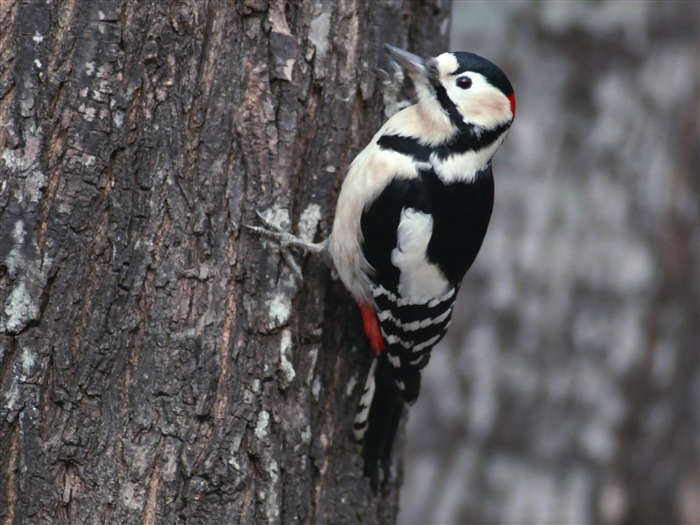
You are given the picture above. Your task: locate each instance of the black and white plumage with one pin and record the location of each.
(411, 217)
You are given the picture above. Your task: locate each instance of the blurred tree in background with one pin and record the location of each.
(568, 388)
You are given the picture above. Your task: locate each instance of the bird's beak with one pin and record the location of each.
(413, 64)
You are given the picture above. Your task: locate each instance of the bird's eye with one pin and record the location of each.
(464, 82)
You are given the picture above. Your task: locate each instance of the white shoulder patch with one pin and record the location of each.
(464, 167)
(420, 280)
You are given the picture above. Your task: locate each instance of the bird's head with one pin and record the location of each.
(467, 89)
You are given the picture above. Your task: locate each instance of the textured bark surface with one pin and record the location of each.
(569, 386)
(157, 363)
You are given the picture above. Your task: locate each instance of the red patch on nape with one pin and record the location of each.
(371, 325)
(511, 98)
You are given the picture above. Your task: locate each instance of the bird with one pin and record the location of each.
(411, 217)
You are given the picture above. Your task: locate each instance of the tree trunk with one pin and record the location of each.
(158, 364)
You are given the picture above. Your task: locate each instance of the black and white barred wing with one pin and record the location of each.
(410, 330)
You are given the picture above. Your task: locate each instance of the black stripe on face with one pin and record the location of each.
(447, 105)
(466, 139)
(406, 146)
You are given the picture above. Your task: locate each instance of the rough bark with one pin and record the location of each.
(158, 364)
(567, 392)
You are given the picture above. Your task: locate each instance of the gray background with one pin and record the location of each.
(568, 389)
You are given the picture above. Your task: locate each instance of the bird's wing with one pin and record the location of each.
(412, 296)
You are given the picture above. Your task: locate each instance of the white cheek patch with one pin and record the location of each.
(420, 279)
(482, 104)
(487, 108)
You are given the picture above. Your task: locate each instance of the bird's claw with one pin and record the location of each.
(391, 78)
(393, 83)
(275, 228)
(284, 240)
(383, 75)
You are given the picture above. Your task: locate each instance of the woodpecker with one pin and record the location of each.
(411, 217)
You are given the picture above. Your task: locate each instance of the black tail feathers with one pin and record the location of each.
(377, 419)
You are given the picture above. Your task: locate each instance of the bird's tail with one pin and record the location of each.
(377, 419)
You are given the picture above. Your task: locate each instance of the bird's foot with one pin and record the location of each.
(286, 241)
(394, 101)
